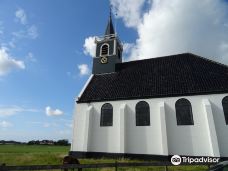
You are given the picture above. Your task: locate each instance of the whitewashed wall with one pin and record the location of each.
(207, 137)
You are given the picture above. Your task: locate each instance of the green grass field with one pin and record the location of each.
(45, 155)
(32, 154)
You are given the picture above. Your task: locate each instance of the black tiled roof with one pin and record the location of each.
(176, 75)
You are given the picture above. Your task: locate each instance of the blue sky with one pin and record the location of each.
(50, 54)
(46, 48)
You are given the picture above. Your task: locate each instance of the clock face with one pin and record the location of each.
(104, 60)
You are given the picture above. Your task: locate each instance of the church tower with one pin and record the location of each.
(108, 51)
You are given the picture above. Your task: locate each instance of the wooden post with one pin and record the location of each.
(116, 168)
(166, 168)
(65, 169)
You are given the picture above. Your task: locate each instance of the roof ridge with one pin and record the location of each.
(209, 60)
(186, 53)
(159, 57)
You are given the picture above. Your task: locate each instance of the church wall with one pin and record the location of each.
(183, 140)
(143, 139)
(104, 139)
(79, 127)
(188, 139)
(220, 125)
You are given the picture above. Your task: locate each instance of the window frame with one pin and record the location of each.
(103, 122)
(184, 105)
(101, 49)
(225, 108)
(143, 118)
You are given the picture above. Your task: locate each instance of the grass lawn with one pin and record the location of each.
(46, 154)
(32, 154)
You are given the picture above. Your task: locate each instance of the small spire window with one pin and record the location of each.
(104, 50)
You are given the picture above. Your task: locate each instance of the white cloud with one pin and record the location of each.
(20, 34)
(30, 57)
(7, 63)
(127, 49)
(129, 10)
(5, 124)
(29, 31)
(32, 32)
(177, 26)
(21, 16)
(13, 110)
(53, 112)
(89, 46)
(84, 69)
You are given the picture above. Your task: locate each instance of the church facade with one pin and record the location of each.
(151, 108)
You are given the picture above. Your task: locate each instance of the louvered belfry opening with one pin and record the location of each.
(104, 50)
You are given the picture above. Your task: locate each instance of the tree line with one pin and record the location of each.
(63, 142)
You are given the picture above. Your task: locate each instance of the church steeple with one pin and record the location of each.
(109, 29)
(108, 51)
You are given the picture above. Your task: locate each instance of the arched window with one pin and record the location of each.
(225, 108)
(104, 50)
(142, 114)
(106, 115)
(184, 112)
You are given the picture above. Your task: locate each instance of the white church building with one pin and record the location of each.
(150, 108)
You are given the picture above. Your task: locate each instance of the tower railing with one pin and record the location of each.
(106, 37)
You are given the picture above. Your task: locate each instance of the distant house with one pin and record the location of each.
(43, 142)
(47, 142)
(176, 104)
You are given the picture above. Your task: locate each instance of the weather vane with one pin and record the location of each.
(110, 15)
(111, 10)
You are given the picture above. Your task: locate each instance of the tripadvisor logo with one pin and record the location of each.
(177, 160)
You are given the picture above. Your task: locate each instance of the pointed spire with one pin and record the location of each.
(110, 29)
